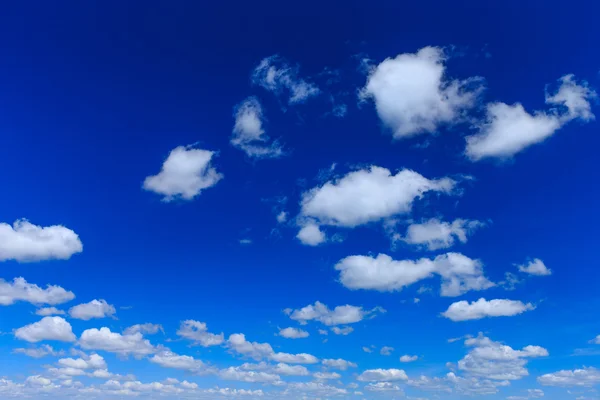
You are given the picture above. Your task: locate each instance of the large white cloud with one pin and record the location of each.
(26, 242)
(20, 290)
(249, 134)
(93, 309)
(169, 359)
(535, 267)
(184, 174)
(197, 332)
(412, 95)
(338, 363)
(340, 315)
(435, 234)
(368, 195)
(571, 378)
(493, 360)
(293, 333)
(104, 339)
(459, 273)
(48, 328)
(509, 129)
(482, 308)
(382, 375)
(275, 75)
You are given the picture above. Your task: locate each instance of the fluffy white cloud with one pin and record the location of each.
(311, 235)
(596, 340)
(237, 374)
(413, 96)
(482, 308)
(382, 375)
(169, 359)
(326, 375)
(535, 267)
(339, 363)
(406, 358)
(20, 290)
(293, 333)
(315, 389)
(382, 387)
(459, 273)
(93, 309)
(238, 343)
(248, 133)
(228, 392)
(282, 217)
(435, 234)
(184, 174)
(368, 195)
(147, 328)
(47, 311)
(565, 378)
(301, 358)
(340, 315)
(386, 351)
(493, 360)
(38, 352)
(275, 75)
(509, 129)
(48, 328)
(25, 242)
(104, 339)
(94, 361)
(198, 333)
(290, 370)
(346, 330)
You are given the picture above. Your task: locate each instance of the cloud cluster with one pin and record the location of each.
(21, 290)
(340, 315)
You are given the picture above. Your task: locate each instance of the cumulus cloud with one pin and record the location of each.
(459, 273)
(585, 377)
(104, 339)
(346, 330)
(368, 195)
(509, 129)
(184, 174)
(435, 234)
(382, 375)
(386, 351)
(482, 308)
(20, 290)
(47, 311)
(237, 374)
(293, 333)
(237, 342)
(338, 363)
(147, 328)
(412, 94)
(323, 376)
(493, 360)
(93, 309)
(276, 76)
(290, 370)
(311, 235)
(249, 134)
(535, 267)
(198, 333)
(596, 340)
(94, 361)
(48, 328)
(168, 359)
(406, 358)
(26, 242)
(340, 315)
(38, 352)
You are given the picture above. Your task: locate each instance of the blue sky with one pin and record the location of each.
(299, 200)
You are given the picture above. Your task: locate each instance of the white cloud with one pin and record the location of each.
(147, 328)
(412, 94)
(25, 242)
(311, 235)
(238, 343)
(509, 129)
(37, 380)
(290, 370)
(339, 363)
(386, 351)
(493, 360)
(346, 330)
(184, 174)
(596, 340)
(340, 315)
(326, 375)
(48, 328)
(301, 358)
(275, 75)
(237, 374)
(38, 352)
(93, 309)
(535, 267)
(367, 349)
(317, 389)
(47, 311)
(382, 387)
(20, 290)
(406, 358)
(94, 361)
(198, 333)
(104, 339)
(368, 195)
(293, 333)
(482, 308)
(585, 377)
(459, 273)
(282, 217)
(249, 134)
(382, 375)
(323, 332)
(228, 392)
(169, 359)
(435, 234)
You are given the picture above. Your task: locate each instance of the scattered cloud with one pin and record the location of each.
(386, 351)
(198, 333)
(535, 267)
(20, 290)
(93, 309)
(339, 363)
(585, 377)
(435, 234)
(346, 330)
(293, 333)
(340, 315)
(48, 328)
(47, 311)
(168, 359)
(126, 344)
(249, 134)
(406, 358)
(311, 235)
(184, 174)
(39, 352)
(237, 343)
(482, 308)
(145, 329)
(382, 375)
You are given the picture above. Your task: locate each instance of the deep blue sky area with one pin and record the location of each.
(94, 96)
